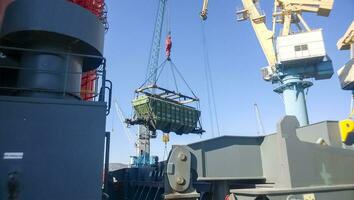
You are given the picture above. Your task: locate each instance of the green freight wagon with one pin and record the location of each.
(166, 115)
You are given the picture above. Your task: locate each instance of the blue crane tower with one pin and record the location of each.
(143, 141)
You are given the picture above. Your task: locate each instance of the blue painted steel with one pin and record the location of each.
(293, 88)
(143, 160)
(292, 85)
(156, 43)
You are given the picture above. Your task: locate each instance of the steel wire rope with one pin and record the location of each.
(168, 18)
(164, 152)
(161, 70)
(184, 80)
(189, 87)
(208, 91)
(210, 85)
(147, 79)
(174, 79)
(168, 31)
(122, 117)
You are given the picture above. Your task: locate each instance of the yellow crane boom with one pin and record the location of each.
(286, 12)
(347, 40)
(204, 12)
(264, 35)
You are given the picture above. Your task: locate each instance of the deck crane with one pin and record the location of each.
(346, 77)
(294, 55)
(157, 108)
(143, 143)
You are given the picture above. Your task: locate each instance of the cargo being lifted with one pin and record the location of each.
(165, 110)
(161, 109)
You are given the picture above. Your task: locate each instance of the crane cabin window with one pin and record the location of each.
(303, 47)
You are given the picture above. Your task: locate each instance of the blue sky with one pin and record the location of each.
(235, 61)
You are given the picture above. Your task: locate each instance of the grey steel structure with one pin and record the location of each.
(296, 163)
(51, 142)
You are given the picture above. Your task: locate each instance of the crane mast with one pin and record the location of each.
(156, 43)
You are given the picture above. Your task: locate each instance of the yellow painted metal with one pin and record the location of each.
(321, 7)
(310, 196)
(347, 39)
(165, 138)
(290, 7)
(351, 113)
(287, 23)
(204, 12)
(265, 36)
(283, 12)
(346, 128)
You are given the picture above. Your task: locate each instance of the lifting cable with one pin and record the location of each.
(174, 69)
(164, 152)
(153, 74)
(168, 43)
(210, 85)
(122, 118)
(184, 80)
(168, 18)
(174, 79)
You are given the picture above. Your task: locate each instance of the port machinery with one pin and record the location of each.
(346, 77)
(157, 108)
(53, 120)
(53, 138)
(300, 161)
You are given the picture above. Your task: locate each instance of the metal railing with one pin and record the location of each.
(12, 87)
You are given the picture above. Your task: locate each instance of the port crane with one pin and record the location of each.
(346, 77)
(294, 56)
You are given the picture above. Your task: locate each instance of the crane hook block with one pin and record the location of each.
(168, 44)
(165, 138)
